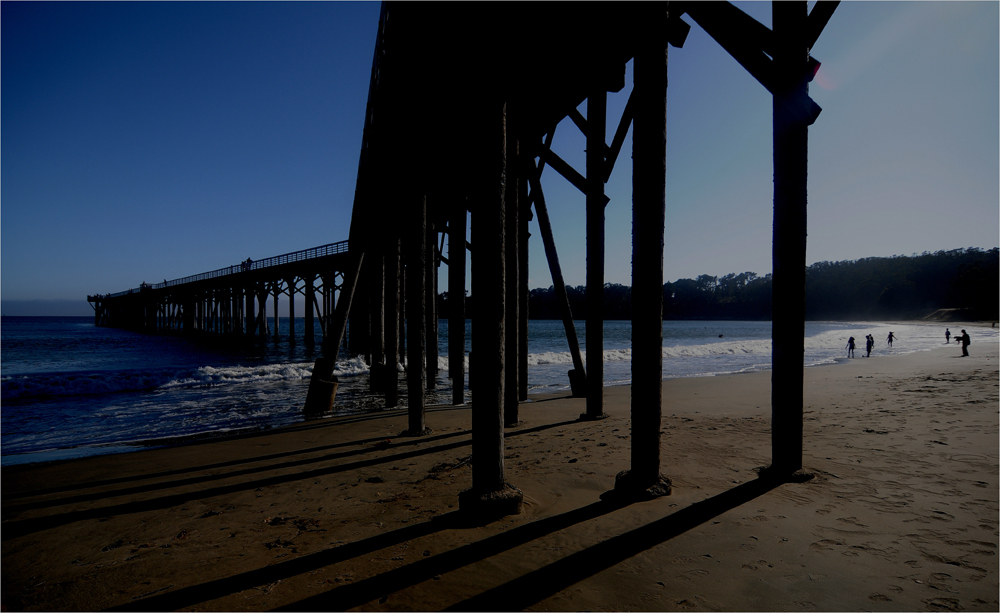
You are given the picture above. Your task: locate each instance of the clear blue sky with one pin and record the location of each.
(150, 141)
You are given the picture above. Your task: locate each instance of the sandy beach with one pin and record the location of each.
(901, 513)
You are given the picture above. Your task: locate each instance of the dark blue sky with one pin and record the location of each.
(151, 141)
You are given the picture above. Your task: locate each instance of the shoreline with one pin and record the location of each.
(63, 454)
(342, 513)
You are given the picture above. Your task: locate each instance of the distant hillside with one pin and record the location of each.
(966, 282)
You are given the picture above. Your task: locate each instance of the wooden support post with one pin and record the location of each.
(430, 305)
(310, 299)
(512, 285)
(391, 315)
(416, 292)
(358, 342)
(490, 493)
(290, 283)
(224, 301)
(577, 376)
(323, 384)
(597, 104)
(376, 317)
(275, 292)
(402, 303)
(789, 107)
(262, 309)
(649, 141)
(524, 216)
(189, 314)
(248, 313)
(456, 302)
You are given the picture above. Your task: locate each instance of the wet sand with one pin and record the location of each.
(901, 514)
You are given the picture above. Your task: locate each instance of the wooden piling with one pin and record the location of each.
(512, 284)
(490, 494)
(430, 305)
(291, 283)
(416, 254)
(456, 301)
(524, 216)
(391, 316)
(376, 308)
(649, 139)
(789, 104)
(249, 315)
(597, 104)
(310, 300)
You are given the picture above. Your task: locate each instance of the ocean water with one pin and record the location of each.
(71, 389)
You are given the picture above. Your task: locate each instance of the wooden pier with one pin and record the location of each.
(462, 109)
(232, 300)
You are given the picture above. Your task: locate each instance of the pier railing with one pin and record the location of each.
(278, 260)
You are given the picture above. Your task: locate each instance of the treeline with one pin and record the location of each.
(897, 287)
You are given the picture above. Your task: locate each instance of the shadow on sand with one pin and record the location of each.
(514, 595)
(14, 528)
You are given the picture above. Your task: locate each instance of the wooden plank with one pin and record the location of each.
(558, 284)
(742, 36)
(818, 18)
(619, 140)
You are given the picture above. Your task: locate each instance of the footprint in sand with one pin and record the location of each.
(692, 574)
(943, 604)
(825, 545)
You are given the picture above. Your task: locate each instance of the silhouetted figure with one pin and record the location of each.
(965, 340)
(889, 339)
(947, 335)
(850, 347)
(869, 343)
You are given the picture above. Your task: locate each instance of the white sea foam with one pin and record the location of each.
(725, 348)
(18, 387)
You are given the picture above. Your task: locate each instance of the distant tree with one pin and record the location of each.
(898, 286)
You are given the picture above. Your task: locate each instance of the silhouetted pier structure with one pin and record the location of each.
(462, 108)
(233, 300)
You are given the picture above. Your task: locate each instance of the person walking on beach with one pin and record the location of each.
(890, 338)
(869, 343)
(965, 340)
(850, 347)
(947, 336)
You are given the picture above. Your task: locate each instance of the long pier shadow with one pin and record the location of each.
(193, 595)
(163, 485)
(535, 586)
(230, 463)
(16, 528)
